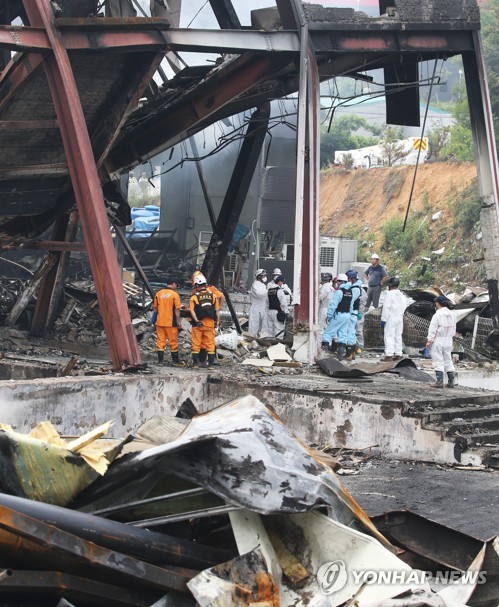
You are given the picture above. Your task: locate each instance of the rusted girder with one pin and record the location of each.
(28, 542)
(156, 548)
(184, 117)
(122, 341)
(39, 585)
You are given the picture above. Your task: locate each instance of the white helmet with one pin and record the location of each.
(374, 256)
(342, 278)
(276, 272)
(260, 272)
(200, 280)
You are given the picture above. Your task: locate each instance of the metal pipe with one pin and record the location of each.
(156, 548)
(184, 516)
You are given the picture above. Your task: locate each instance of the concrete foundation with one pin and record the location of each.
(390, 415)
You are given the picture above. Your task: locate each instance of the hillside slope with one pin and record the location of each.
(370, 205)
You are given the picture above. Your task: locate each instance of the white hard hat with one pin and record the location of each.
(374, 256)
(342, 277)
(200, 280)
(276, 271)
(260, 272)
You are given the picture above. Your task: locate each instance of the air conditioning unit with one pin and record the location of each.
(328, 255)
(231, 262)
(203, 243)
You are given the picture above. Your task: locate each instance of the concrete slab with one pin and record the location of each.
(390, 415)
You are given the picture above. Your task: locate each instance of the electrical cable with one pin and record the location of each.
(419, 150)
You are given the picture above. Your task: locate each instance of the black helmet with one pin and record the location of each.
(326, 276)
(394, 281)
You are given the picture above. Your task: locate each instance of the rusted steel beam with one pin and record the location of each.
(16, 38)
(124, 350)
(182, 120)
(156, 548)
(337, 42)
(29, 542)
(37, 584)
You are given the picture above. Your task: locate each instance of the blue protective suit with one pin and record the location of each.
(338, 324)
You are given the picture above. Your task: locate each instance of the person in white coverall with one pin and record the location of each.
(440, 333)
(392, 319)
(257, 319)
(326, 292)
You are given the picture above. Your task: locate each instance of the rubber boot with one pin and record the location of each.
(334, 346)
(451, 383)
(195, 361)
(325, 345)
(341, 351)
(350, 354)
(440, 380)
(203, 354)
(161, 357)
(211, 361)
(176, 362)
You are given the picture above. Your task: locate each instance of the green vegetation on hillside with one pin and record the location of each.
(416, 255)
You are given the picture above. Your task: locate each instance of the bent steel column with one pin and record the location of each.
(122, 341)
(487, 167)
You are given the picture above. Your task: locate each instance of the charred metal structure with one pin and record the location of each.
(70, 119)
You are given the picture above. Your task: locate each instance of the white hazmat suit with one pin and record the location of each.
(440, 333)
(257, 319)
(326, 293)
(394, 306)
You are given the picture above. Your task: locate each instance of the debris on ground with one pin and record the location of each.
(44, 466)
(225, 508)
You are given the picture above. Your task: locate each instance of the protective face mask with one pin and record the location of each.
(264, 279)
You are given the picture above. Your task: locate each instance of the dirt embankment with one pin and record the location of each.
(367, 198)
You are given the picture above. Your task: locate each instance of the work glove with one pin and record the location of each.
(154, 315)
(383, 323)
(426, 352)
(359, 315)
(198, 323)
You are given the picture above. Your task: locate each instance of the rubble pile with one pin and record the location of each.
(225, 508)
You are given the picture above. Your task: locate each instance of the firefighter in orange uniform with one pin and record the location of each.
(167, 306)
(216, 292)
(205, 312)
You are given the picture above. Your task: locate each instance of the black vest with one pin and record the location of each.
(205, 307)
(344, 305)
(356, 303)
(274, 303)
